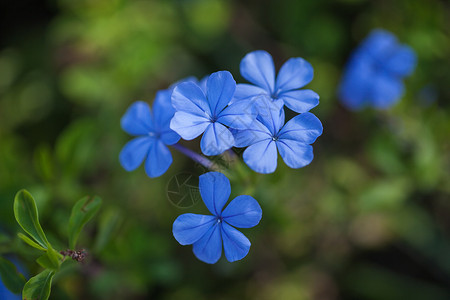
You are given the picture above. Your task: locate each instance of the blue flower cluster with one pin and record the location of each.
(226, 115)
(229, 115)
(374, 73)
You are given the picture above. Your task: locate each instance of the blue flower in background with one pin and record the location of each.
(153, 135)
(258, 68)
(269, 134)
(207, 233)
(6, 294)
(210, 113)
(374, 73)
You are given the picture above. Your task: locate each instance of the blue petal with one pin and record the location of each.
(258, 68)
(247, 92)
(379, 44)
(215, 190)
(239, 115)
(163, 112)
(170, 137)
(262, 157)
(216, 139)
(300, 101)
(270, 114)
(257, 133)
(137, 120)
(158, 160)
(134, 152)
(162, 109)
(294, 153)
(386, 91)
(209, 248)
(242, 212)
(294, 74)
(220, 90)
(402, 62)
(189, 228)
(304, 128)
(188, 126)
(188, 97)
(354, 89)
(202, 83)
(235, 244)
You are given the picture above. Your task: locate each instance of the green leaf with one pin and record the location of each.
(38, 287)
(26, 214)
(50, 260)
(11, 278)
(82, 212)
(30, 241)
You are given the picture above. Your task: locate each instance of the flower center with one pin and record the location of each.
(213, 119)
(155, 135)
(219, 219)
(274, 138)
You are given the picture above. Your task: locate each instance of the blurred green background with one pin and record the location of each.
(368, 219)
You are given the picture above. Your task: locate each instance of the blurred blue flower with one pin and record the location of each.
(258, 68)
(6, 294)
(153, 134)
(374, 73)
(207, 233)
(269, 133)
(211, 113)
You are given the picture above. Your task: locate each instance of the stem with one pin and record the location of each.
(196, 157)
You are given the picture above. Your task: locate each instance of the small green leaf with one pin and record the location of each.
(82, 212)
(50, 260)
(30, 241)
(26, 214)
(45, 262)
(11, 278)
(38, 287)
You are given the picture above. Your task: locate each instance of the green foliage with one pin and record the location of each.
(10, 276)
(26, 214)
(50, 260)
(30, 242)
(82, 212)
(39, 286)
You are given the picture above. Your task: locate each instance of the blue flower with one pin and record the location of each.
(269, 133)
(374, 73)
(211, 114)
(258, 68)
(207, 233)
(153, 134)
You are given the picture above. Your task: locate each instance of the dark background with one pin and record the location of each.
(368, 219)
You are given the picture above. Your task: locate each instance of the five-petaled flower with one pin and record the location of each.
(211, 113)
(269, 133)
(207, 233)
(152, 133)
(374, 73)
(258, 68)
